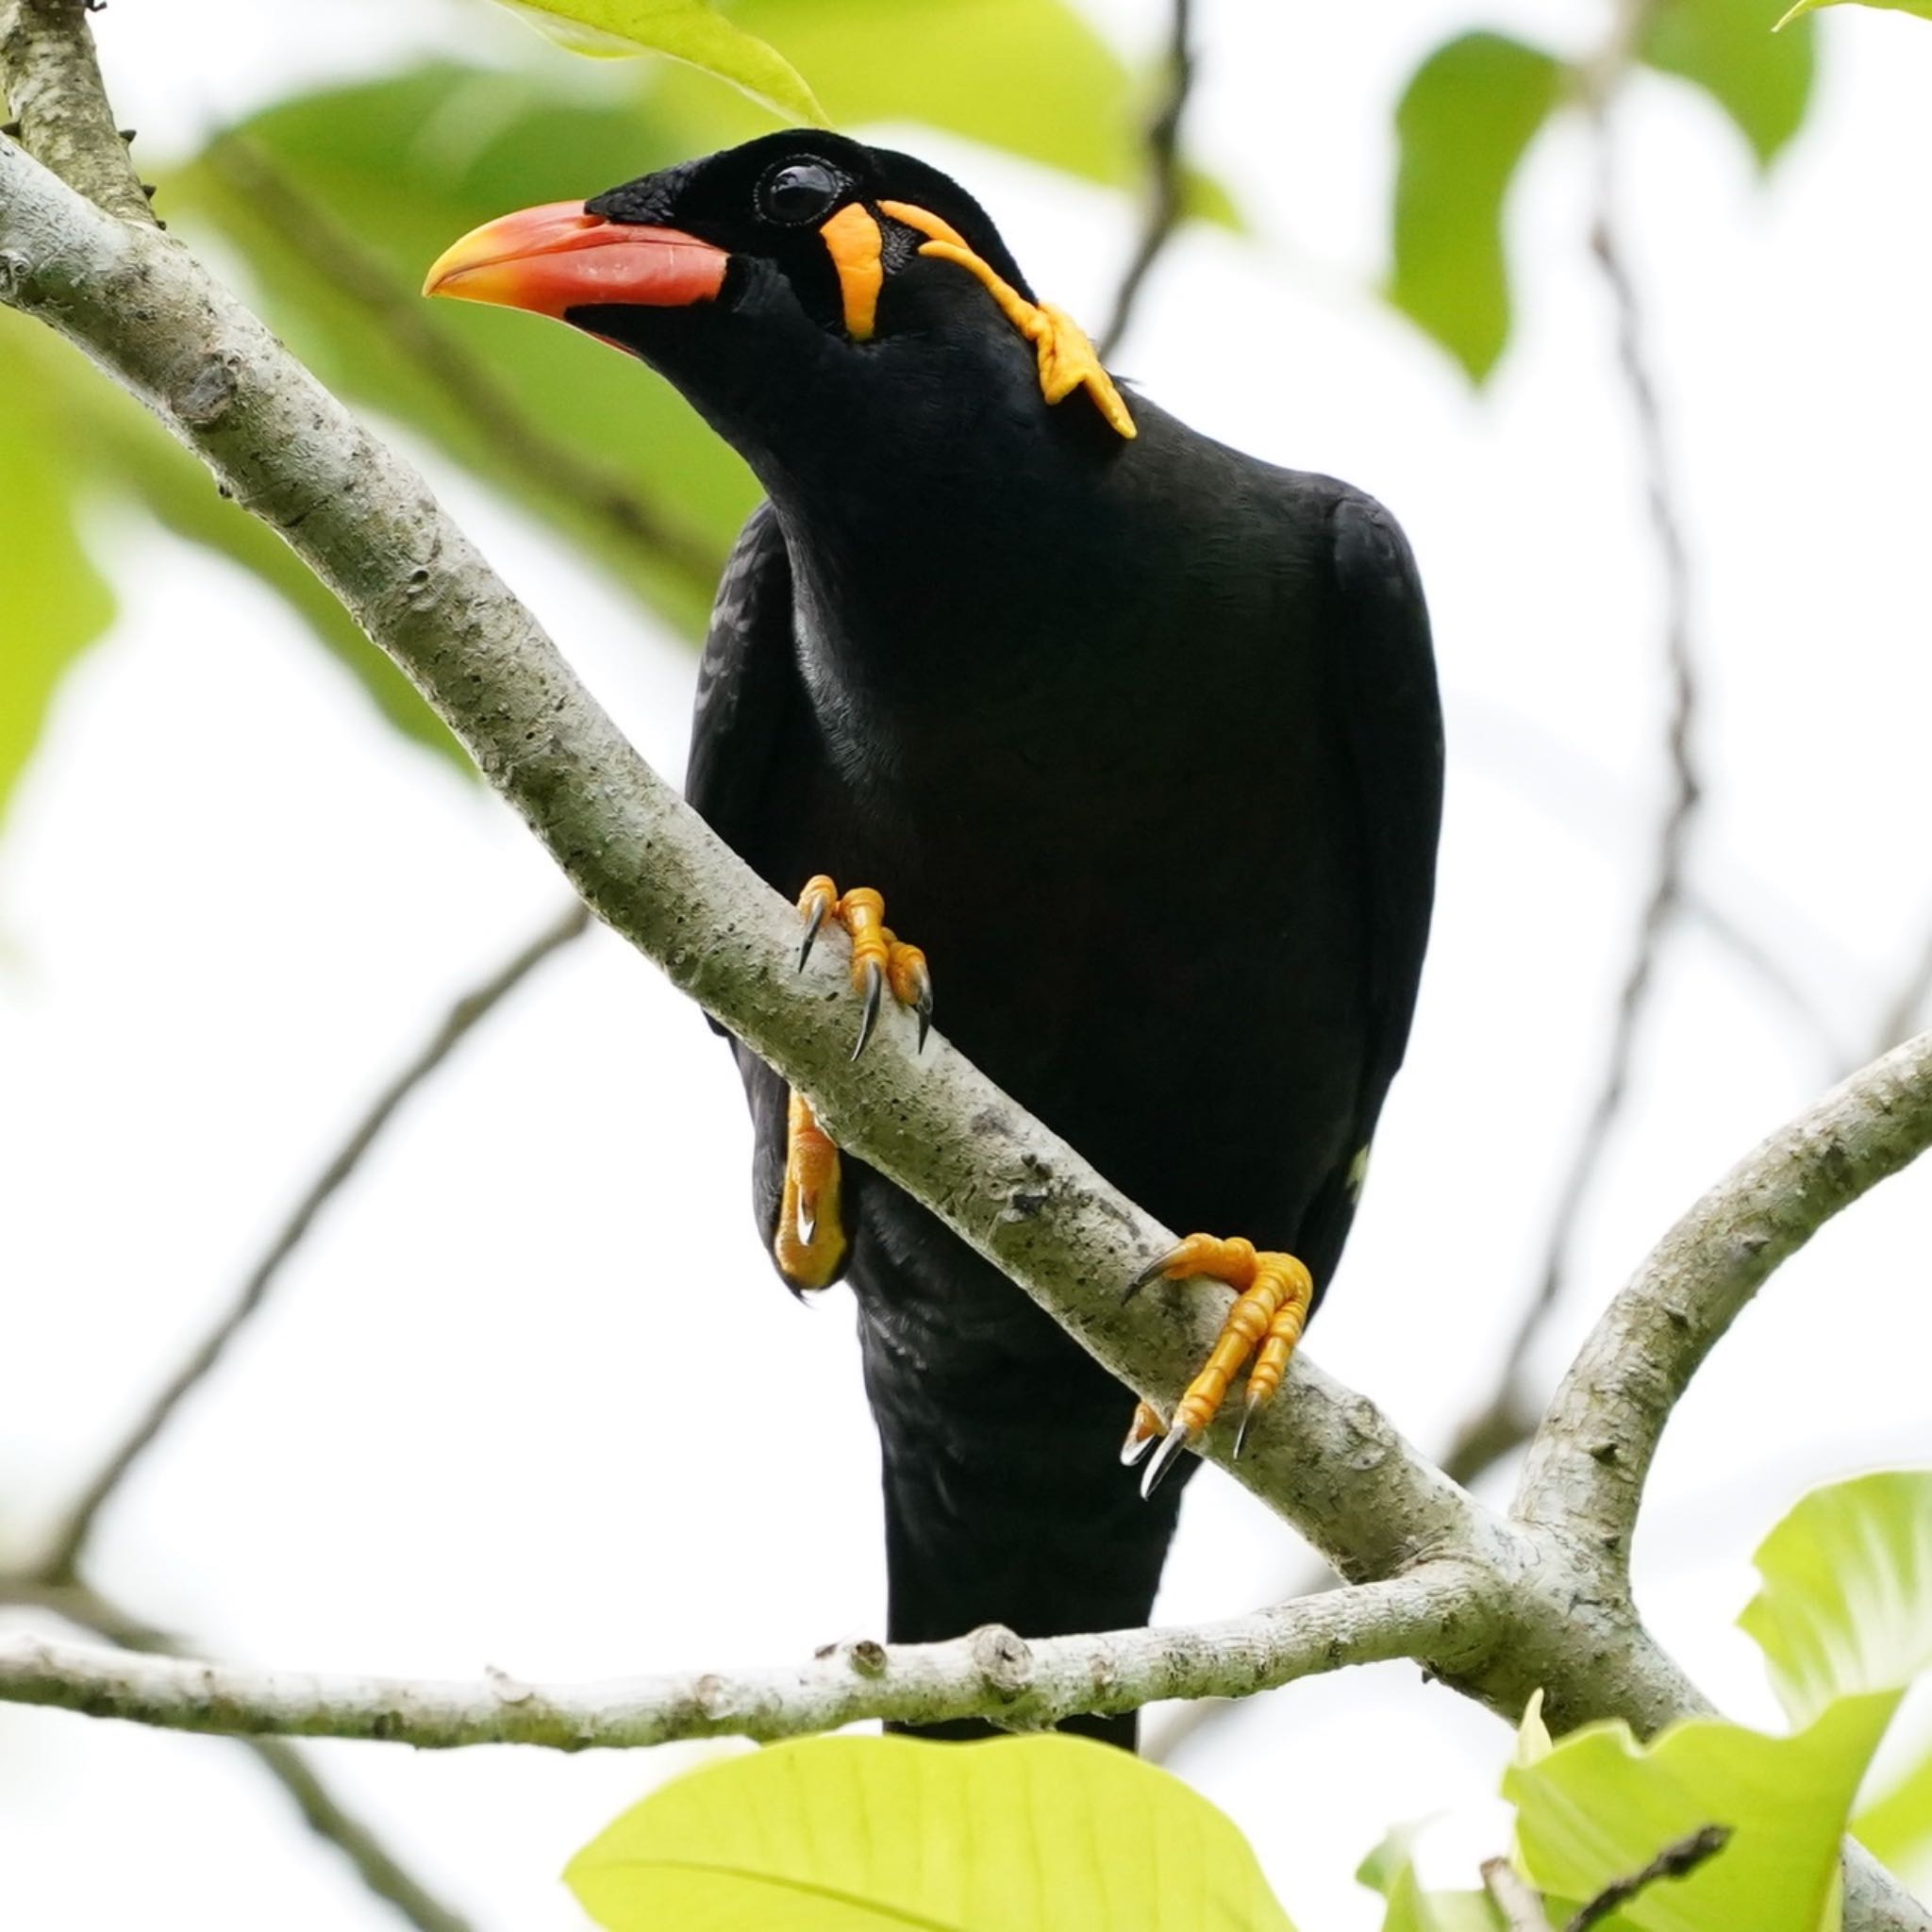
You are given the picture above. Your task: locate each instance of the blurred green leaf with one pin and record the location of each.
(1846, 1602)
(91, 443)
(1763, 83)
(55, 602)
(369, 184)
(1390, 1870)
(1921, 8)
(1601, 1806)
(688, 30)
(1897, 1828)
(1028, 77)
(1034, 1834)
(1462, 126)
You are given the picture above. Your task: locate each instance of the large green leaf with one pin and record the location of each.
(1921, 8)
(1762, 82)
(689, 31)
(1600, 1807)
(856, 1834)
(1464, 125)
(55, 602)
(1844, 1606)
(1843, 1615)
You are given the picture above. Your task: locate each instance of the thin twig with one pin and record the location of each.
(1675, 1861)
(1166, 193)
(1434, 1611)
(1900, 1016)
(1665, 901)
(353, 269)
(375, 1865)
(64, 1551)
(53, 82)
(1515, 1896)
(322, 1810)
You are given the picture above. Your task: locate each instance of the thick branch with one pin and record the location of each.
(70, 1539)
(53, 84)
(1587, 1469)
(1434, 1612)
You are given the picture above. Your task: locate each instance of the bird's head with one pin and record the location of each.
(801, 262)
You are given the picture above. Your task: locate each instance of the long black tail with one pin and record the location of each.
(1006, 1502)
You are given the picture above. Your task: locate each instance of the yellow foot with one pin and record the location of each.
(809, 1242)
(1273, 1295)
(878, 958)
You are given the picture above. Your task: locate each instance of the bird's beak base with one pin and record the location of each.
(554, 258)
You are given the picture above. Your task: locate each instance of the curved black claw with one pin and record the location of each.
(819, 908)
(1250, 1410)
(1164, 1458)
(922, 1006)
(1135, 1447)
(874, 993)
(1153, 1272)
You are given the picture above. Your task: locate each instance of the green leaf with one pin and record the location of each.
(1462, 126)
(688, 30)
(387, 174)
(1390, 1870)
(1921, 8)
(1030, 77)
(856, 1834)
(57, 602)
(1764, 84)
(1897, 1828)
(1845, 1603)
(109, 449)
(1600, 1807)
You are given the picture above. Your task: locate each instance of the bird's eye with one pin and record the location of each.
(798, 192)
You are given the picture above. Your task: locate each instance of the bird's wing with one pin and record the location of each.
(1394, 751)
(750, 708)
(748, 691)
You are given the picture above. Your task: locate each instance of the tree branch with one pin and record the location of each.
(324, 1814)
(1585, 1476)
(1166, 191)
(1665, 901)
(68, 1541)
(1433, 1611)
(61, 109)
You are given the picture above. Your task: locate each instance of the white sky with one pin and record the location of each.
(468, 1430)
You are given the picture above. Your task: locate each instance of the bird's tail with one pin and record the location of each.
(1006, 1502)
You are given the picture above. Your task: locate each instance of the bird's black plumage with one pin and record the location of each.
(1141, 741)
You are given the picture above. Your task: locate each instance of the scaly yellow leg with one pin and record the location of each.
(1273, 1294)
(810, 1243)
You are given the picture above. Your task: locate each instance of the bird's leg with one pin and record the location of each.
(1273, 1294)
(809, 1242)
(879, 959)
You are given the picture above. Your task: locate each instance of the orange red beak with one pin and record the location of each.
(555, 258)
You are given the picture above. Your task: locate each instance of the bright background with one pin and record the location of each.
(477, 1425)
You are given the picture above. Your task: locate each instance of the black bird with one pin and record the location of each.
(1138, 735)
